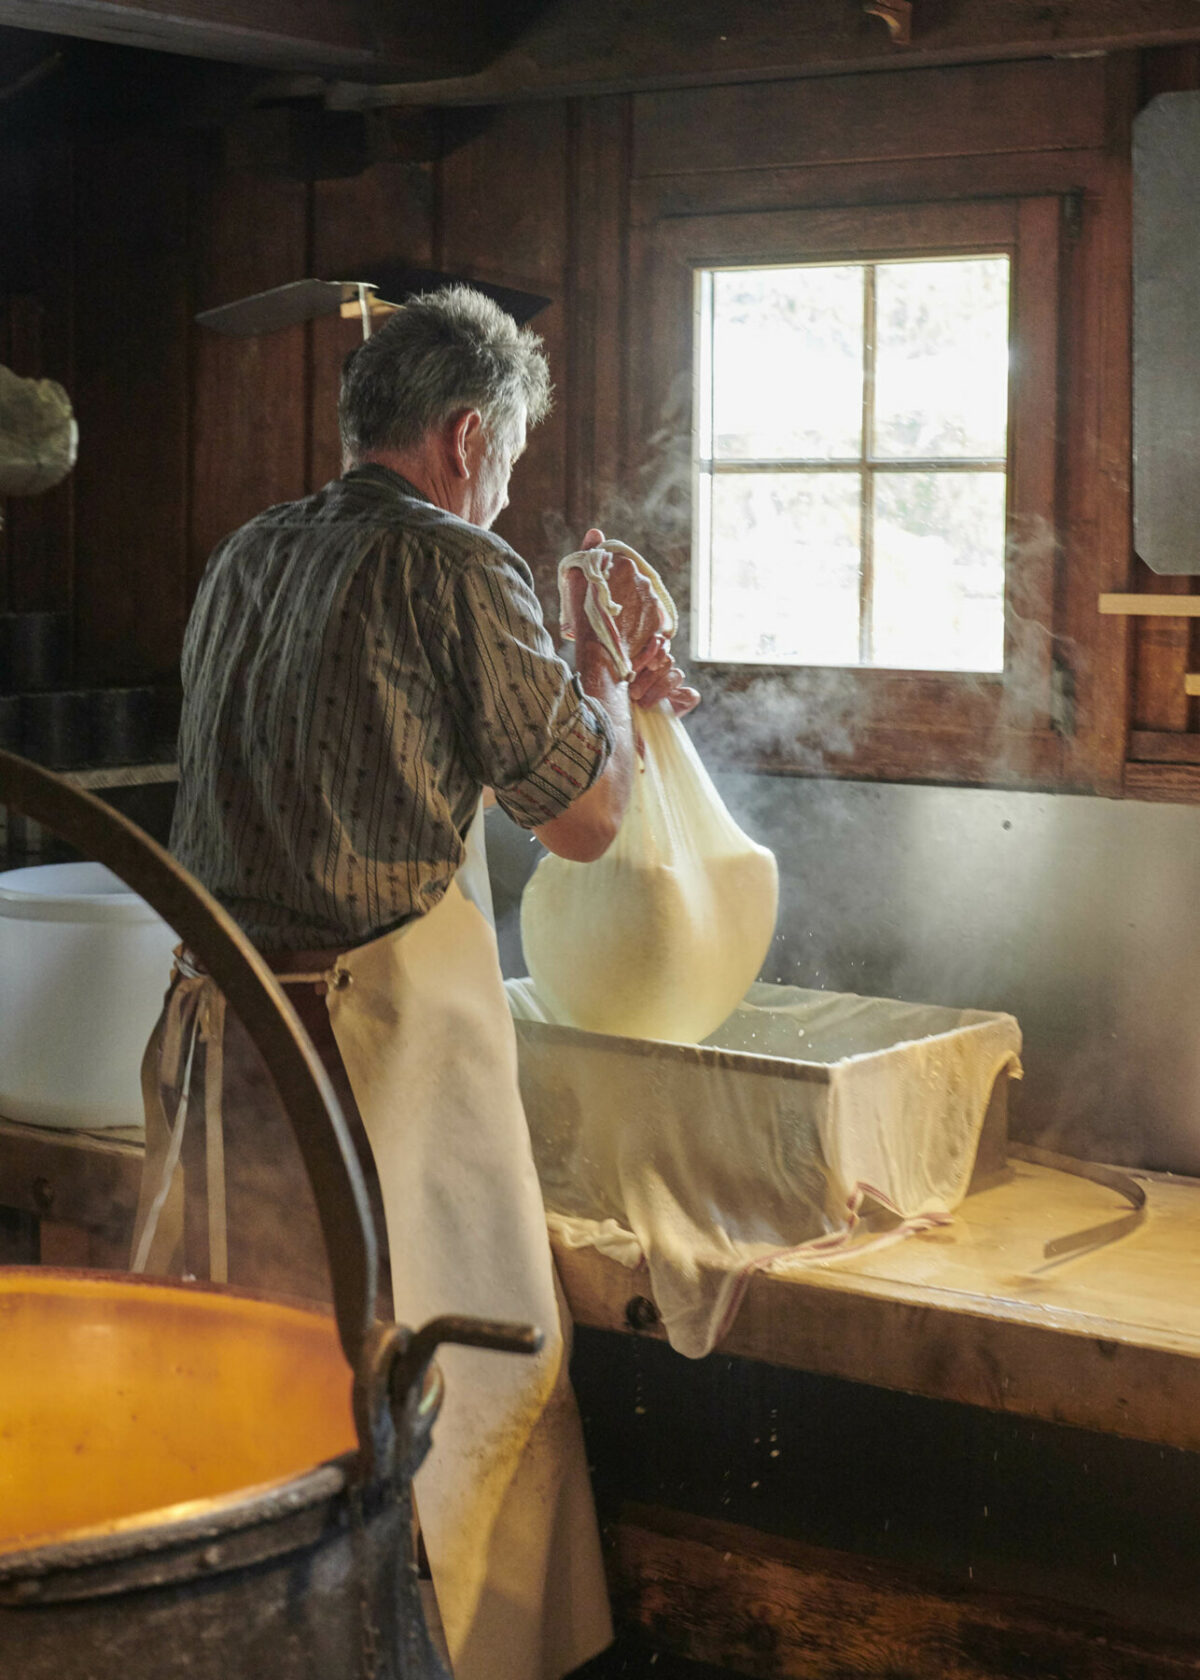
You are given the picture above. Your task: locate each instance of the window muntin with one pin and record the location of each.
(850, 463)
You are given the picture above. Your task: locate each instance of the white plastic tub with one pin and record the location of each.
(84, 964)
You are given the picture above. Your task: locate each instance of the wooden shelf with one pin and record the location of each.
(1151, 606)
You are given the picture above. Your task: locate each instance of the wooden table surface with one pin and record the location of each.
(1107, 1339)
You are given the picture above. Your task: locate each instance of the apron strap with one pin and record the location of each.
(194, 1015)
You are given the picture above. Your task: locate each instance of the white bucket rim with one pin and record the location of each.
(28, 895)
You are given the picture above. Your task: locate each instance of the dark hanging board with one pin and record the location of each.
(1166, 333)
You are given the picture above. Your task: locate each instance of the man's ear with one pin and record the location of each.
(464, 440)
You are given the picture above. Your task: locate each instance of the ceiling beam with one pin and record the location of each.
(363, 40)
(423, 52)
(613, 46)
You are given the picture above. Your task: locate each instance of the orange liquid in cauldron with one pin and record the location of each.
(119, 1398)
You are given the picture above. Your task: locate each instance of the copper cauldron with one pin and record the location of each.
(196, 1481)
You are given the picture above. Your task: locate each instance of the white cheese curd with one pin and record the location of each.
(663, 935)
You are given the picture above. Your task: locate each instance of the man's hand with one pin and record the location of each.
(641, 628)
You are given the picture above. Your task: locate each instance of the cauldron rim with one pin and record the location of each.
(180, 1524)
(175, 1538)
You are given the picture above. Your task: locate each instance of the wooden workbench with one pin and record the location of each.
(1106, 1340)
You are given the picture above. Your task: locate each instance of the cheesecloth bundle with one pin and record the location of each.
(810, 1126)
(38, 434)
(662, 936)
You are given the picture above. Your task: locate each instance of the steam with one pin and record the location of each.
(854, 860)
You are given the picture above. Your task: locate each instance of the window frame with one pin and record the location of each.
(944, 725)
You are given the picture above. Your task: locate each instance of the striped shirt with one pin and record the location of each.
(357, 667)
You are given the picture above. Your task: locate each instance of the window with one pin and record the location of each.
(850, 463)
(865, 547)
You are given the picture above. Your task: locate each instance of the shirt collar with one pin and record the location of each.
(379, 474)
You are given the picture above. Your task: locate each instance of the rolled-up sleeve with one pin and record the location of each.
(525, 723)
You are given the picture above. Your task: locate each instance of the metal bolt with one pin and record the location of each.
(43, 1194)
(641, 1313)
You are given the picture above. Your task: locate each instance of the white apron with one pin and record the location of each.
(504, 1498)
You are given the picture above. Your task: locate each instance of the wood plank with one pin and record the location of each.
(1161, 746)
(84, 1180)
(1096, 508)
(598, 302)
(131, 396)
(381, 218)
(321, 36)
(40, 534)
(974, 1313)
(905, 181)
(503, 215)
(37, 272)
(18, 1238)
(63, 1245)
(250, 400)
(1035, 453)
(793, 738)
(1174, 784)
(912, 114)
(1161, 646)
(587, 46)
(1117, 605)
(776, 1609)
(6, 359)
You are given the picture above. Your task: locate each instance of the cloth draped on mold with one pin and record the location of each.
(808, 1123)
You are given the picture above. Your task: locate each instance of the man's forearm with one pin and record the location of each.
(588, 826)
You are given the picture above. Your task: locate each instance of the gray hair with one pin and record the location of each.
(443, 352)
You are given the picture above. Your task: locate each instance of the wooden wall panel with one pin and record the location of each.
(984, 109)
(37, 199)
(186, 434)
(130, 393)
(250, 396)
(757, 1605)
(599, 314)
(381, 218)
(1098, 512)
(503, 215)
(1164, 648)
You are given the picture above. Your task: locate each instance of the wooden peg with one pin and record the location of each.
(1151, 606)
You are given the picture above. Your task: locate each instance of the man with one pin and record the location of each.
(358, 667)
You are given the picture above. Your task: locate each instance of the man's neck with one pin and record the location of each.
(420, 467)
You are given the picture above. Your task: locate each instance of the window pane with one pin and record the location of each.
(939, 571)
(784, 583)
(787, 367)
(941, 371)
